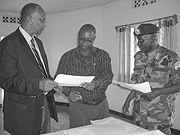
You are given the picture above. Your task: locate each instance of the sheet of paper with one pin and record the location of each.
(106, 121)
(110, 129)
(70, 80)
(142, 87)
(79, 131)
(125, 125)
(153, 132)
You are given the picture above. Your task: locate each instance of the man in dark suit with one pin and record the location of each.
(25, 78)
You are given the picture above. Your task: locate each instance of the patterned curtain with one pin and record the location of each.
(126, 43)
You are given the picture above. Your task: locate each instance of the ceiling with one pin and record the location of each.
(50, 6)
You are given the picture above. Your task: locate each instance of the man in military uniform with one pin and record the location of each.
(161, 68)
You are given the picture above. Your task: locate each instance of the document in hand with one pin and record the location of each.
(70, 80)
(142, 87)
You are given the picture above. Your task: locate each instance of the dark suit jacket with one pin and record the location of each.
(19, 77)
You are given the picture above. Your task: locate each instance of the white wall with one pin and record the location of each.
(60, 35)
(6, 28)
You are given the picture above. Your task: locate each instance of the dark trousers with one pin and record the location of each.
(81, 114)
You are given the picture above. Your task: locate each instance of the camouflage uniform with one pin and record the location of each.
(161, 70)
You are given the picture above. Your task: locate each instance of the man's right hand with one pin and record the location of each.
(47, 85)
(74, 96)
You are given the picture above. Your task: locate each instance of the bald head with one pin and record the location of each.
(87, 28)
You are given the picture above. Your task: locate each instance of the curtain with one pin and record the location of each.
(124, 55)
(126, 43)
(168, 33)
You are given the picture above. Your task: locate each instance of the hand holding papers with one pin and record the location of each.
(142, 87)
(70, 80)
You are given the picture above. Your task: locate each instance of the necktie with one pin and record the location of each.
(43, 71)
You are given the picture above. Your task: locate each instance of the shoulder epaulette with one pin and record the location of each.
(169, 52)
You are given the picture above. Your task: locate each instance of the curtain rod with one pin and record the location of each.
(175, 16)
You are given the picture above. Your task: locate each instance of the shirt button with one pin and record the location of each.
(42, 107)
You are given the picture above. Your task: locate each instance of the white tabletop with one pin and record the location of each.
(108, 126)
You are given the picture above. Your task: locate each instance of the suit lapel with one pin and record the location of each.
(29, 53)
(26, 48)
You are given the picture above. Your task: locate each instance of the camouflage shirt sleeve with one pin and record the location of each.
(175, 70)
(139, 67)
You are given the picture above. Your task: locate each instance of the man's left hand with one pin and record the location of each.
(90, 86)
(152, 95)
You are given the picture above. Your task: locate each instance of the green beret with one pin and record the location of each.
(144, 29)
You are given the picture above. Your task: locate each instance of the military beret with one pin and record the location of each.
(144, 29)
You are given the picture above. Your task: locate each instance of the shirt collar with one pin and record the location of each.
(26, 35)
(92, 51)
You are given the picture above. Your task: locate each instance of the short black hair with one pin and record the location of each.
(29, 9)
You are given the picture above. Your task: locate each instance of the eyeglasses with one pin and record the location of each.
(41, 20)
(84, 39)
